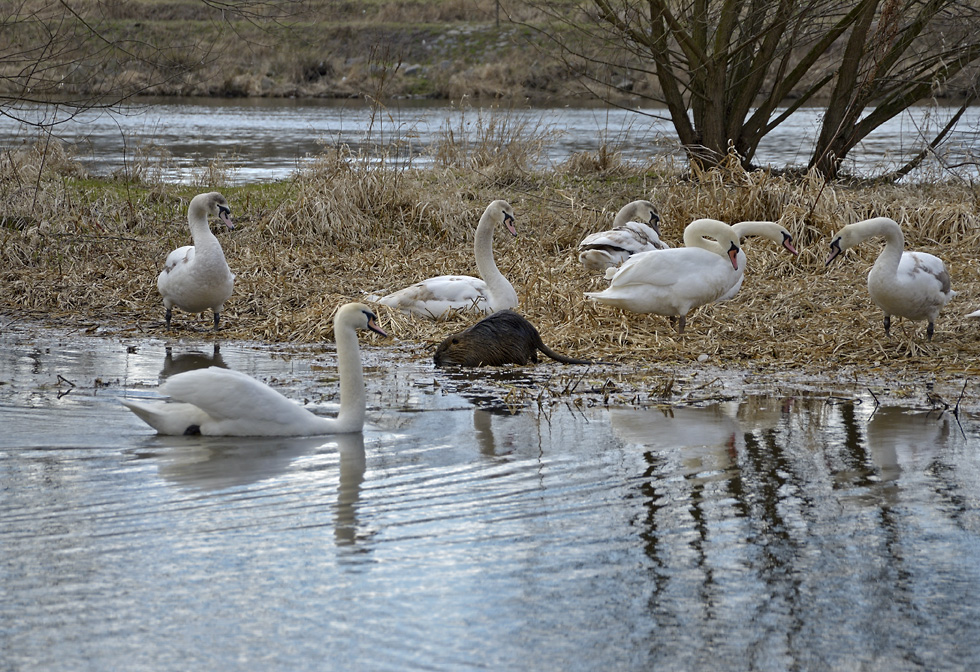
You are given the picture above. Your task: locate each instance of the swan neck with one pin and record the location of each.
(483, 251)
(894, 240)
(353, 399)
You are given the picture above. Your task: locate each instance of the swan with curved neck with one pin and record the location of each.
(221, 402)
(673, 282)
(769, 230)
(636, 228)
(435, 297)
(914, 285)
(196, 277)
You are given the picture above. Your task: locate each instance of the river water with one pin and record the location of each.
(808, 530)
(260, 140)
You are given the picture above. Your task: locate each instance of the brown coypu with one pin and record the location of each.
(501, 338)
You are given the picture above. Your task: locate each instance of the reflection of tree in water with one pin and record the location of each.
(806, 530)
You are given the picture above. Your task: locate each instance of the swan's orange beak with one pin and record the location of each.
(509, 223)
(733, 255)
(373, 326)
(224, 214)
(788, 244)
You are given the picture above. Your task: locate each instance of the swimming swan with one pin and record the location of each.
(672, 282)
(769, 230)
(636, 228)
(221, 402)
(435, 297)
(196, 277)
(914, 285)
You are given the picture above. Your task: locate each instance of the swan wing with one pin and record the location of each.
(172, 419)
(665, 267)
(632, 237)
(179, 257)
(437, 296)
(925, 270)
(224, 394)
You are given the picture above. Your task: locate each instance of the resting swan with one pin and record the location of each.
(672, 282)
(196, 277)
(636, 228)
(435, 297)
(221, 402)
(770, 230)
(914, 285)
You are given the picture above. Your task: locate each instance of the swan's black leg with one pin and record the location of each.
(931, 328)
(168, 316)
(888, 325)
(681, 323)
(216, 316)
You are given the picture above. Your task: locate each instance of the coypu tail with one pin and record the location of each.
(558, 357)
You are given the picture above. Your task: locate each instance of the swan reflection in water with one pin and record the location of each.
(901, 440)
(189, 361)
(220, 464)
(705, 438)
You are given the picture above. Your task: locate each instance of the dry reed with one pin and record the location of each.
(82, 253)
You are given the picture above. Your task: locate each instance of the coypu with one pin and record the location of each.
(501, 338)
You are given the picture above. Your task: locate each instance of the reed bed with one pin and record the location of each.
(85, 254)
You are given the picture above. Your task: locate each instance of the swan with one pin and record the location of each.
(222, 402)
(915, 285)
(196, 277)
(975, 313)
(769, 230)
(636, 228)
(435, 297)
(674, 281)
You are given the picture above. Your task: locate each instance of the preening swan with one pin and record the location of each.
(672, 282)
(221, 402)
(636, 228)
(435, 297)
(914, 285)
(770, 230)
(196, 277)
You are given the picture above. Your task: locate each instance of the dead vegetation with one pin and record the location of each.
(85, 253)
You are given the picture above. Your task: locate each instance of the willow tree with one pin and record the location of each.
(730, 71)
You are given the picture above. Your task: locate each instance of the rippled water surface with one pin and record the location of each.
(768, 533)
(258, 140)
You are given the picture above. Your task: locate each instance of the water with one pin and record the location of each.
(763, 533)
(263, 140)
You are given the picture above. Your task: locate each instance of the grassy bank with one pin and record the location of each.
(85, 254)
(447, 49)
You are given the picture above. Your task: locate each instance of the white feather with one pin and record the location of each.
(434, 298)
(913, 285)
(196, 277)
(221, 402)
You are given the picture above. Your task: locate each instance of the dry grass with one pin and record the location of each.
(84, 253)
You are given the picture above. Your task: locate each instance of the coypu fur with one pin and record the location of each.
(501, 338)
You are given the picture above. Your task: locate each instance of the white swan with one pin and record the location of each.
(672, 282)
(975, 313)
(770, 230)
(221, 402)
(196, 277)
(914, 285)
(636, 228)
(435, 297)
